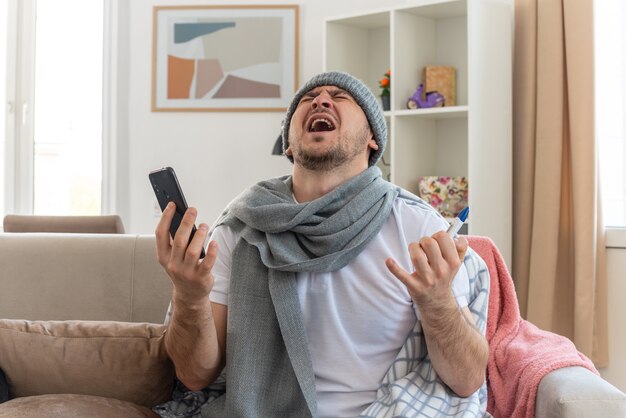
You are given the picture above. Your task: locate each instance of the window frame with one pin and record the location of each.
(615, 235)
(19, 128)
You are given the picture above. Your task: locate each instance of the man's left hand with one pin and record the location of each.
(436, 260)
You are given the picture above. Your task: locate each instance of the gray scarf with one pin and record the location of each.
(268, 367)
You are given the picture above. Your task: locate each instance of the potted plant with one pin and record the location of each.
(385, 94)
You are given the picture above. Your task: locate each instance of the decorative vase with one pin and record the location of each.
(386, 102)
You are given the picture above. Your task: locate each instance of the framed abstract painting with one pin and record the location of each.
(224, 58)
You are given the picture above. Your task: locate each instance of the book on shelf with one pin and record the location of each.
(441, 79)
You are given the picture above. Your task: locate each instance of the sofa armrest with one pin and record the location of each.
(575, 392)
(120, 360)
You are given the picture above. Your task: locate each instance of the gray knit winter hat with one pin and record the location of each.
(361, 94)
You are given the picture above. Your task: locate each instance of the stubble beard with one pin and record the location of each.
(345, 150)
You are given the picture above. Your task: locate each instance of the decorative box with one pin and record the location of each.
(447, 194)
(442, 80)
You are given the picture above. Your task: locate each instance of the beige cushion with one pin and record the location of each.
(72, 406)
(120, 360)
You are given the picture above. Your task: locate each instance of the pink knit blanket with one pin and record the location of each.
(520, 354)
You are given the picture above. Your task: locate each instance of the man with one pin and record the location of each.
(304, 298)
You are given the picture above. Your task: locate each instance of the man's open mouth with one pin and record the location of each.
(321, 124)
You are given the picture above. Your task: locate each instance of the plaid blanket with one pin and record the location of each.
(411, 387)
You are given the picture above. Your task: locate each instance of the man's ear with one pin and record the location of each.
(372, 144)
(288, 152)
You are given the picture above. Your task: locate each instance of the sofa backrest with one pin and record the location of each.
(52, 276)
(101, 224)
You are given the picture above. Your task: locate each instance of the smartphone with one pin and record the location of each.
(167, 189)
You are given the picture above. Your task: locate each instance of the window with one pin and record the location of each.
(4, 12)
(610, 86)
(54, 153)
(68, 107)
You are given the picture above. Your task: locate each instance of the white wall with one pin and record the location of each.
(616, 266)
(216, 155)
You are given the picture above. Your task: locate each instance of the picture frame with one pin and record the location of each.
(224, 58)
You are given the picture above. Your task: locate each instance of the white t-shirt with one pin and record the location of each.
(356, 318)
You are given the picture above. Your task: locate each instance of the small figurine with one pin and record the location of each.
(433, 99)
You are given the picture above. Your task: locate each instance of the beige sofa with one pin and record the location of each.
(81, 332)
(93, 346)
(100, 224)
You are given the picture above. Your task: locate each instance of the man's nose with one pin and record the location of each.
(322, 100)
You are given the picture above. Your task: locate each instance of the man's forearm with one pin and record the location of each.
(192, 344)
(458, 351)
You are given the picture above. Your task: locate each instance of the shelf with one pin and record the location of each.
(364, 21)
(474, 37)
(439, 10)
(359, 45)
(451, 112)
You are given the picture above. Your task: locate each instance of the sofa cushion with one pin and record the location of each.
(70, 406)
(120, 360)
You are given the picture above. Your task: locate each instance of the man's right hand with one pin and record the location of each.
(196, 335)
(191, 276)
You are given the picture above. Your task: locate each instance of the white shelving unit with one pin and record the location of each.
(472, 138)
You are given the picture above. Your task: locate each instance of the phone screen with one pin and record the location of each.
(167, 189)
